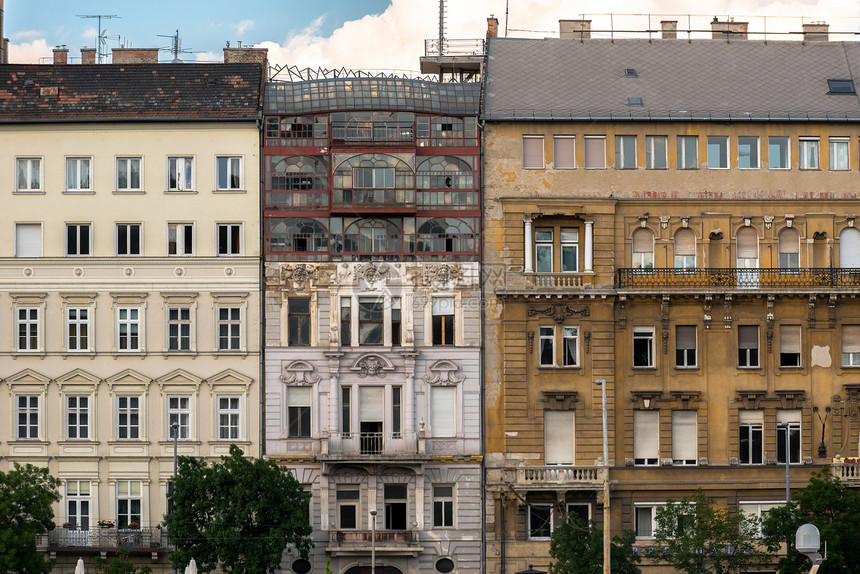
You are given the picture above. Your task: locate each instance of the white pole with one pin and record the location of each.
(373, 541)
(607, 540)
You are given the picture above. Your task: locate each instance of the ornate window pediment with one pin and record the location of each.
(298, 373)
(646, 399)
(443, 372)
(371, 365)
(751, 399)
(789, 399)
(560, 400)
(78, 380)
(180, 380)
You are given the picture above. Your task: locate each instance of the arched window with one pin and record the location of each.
(849, 248)
(373, 179)
(747, 248)
(643, 249)
(446, 234)
(685, 249)
(444, 172)
(297, 234)
(789, 249)
(371, 236)
(293, 180)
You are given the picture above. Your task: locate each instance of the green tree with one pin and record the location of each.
(120, 565)
(831, 506)
(237, 515)
(577, 548)
(26, 495)
(703, 538)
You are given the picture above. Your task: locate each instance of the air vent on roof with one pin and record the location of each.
(841, 86)
(29, 83)
(630, 73)
(635, 102)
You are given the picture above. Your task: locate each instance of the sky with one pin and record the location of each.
(379, 35)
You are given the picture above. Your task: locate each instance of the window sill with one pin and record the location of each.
(183, 441)
(129, 192)
(810, 169)
(79, 192)
(540, 538)
(129, 441)
(750, 368)
(180, 192)
(791, 367)
(644, 368)
(685, 368)
(28, 441)
(77, 441)
(779, 169)
(134, 353)
(559, 367)
(718, 168)
(19, 353)
(229, 191)
(168, 353)
(29, 192)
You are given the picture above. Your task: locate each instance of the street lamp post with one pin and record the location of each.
(174, 428)
(373, 541)
(607, 541)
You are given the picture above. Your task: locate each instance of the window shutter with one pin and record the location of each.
(563, 152)
(443, 305)
(750, 417)
(595, 153)
(299, 396)
(643, 241)
(684, 435)
(558, 437)
(28, 240)
(849, 248)
(747, 243)
(646, 434)
(371, 403)
(748, 337)
(443, 406)
(792, 416)
(789, 339)
(685, 242)
(851, 338)
(685, 337)
(533, 152)
(789, 241)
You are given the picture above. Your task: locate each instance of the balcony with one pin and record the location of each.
(454, 47)
(133, 539)
(344, 542)
(739, 279)
(373, 446)
(847, 472)
(519, 282)
(553, 477)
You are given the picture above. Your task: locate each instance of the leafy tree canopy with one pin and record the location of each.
(577, 548)
(237, 515)
(120, 565)
(26, 495)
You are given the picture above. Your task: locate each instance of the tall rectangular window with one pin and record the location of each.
(688, 152)
(569, 250)
(78, 174)
(299, 322)
(569, 346)
(395, 496)
(533, 152)
(625, 152)
(685, 346)
(78, 239)
(229, 239)
(543, 250)
(27, 415)
(77, 417)
(28, 240)
(370, 322)
(28, 174)
(809, 153)
(655, 152)
(563, 152)
(684, 437)
(180, 173)
(299, 412)
(128, 174)
(718, 152)
(77, 329)
(646, 437)
(748, 152)
(128, 239)
(751, 437)
(229, 329)
(778, 152)
(28, 328)
(373, 177)
(645, 519)
(443, 506)
(179, 411)
(546, 346)
(643, 346)
(345, 321)
(180, 239)
(348, 500)
(851, 345)
(128, 328)
(129, 500)
(128, 418)
(788, 436)
(229, 176)
(540, 521)
(748, 346)
(396, 410)
(443, 320)
(395, 321)
(346, 411)
(789, 346)
(839, 154)
(559, 428)
(595, 152)
(228, 418)
(443, 411)
(78, 504)
(178, 329)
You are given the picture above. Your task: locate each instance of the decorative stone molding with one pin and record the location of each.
(557, 311)
(665, 336)
(751, 399)
(790, 399)
(831, 311)
(587, 338)
(298, 373)
(373, 272)
(180, 380)
(560, 400)
(684, 398)
(371, 365)
(298, 277)
(443, 274)
(811, 316)
(530, 342)
(443, 373)
(646, 399)
(768, 221)
(727, 312)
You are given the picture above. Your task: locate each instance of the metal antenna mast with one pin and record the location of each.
(102, 39)
(175, 47)
(441, 27)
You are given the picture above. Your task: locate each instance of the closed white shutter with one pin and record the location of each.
(563, 152)
(851, 338)
(789, 339)
(685, 337)
(748, 337)
(595, 152)
(371, 404)
(443, 305)
(443, 410)
(646, 434)
(643, 241)
(299, 396)
(533, 152)
(792, 416)
(747, 243)
(685, 242)
(558, 437)
(750, 417)
(28, 240)
(849, 248)
(789, 241)
(684, 435)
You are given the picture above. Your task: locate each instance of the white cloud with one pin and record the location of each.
(22, 35)
(90, 33)
(244, 26)
(30, 52)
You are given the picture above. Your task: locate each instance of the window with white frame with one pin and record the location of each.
(128, 417)
(28, 240)
(809, 153)
(299, 412)
(443, 411)
(180, 239)
(778, 152)
(851, 345)
(569, 346)
(229, 239)
(442, 309)
(78, 239)
(128, 239)
(563, 152)
(128, 174)
(78, 174)
(789, 249)
(759, 510)
(643, 249)
(685, 249)
(748, 346)
(646, 437)
(540, 521)
(569, 250)
(128, 328)
(718, 152)
(129, 501)
(643, 346)
(27, 328)
(655, 152)
(77, 329)
(77, 417)
(78, 504)
(645, 520)
(27, 416)
(443, 506)
(685, 346)
(788, 436)
(789, 346)
(179, 412)
(533, 152)
(684, 438)
(546, 345)
(688, 152)
(849, 248)
(748, 152)
(228, 418)
(229, 326)
(839, 154)
(348, 503)
(625, 152)
(751, 437)
(178, 329)
(180, 173)
(543, 250)
(28, 174)
(595, 152)
(559, 428)
(229, 176)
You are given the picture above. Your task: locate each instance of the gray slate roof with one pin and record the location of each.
(678, 80)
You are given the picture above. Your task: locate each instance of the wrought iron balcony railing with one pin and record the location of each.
(144, 538)
(738, 278)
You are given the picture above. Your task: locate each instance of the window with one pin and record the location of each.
(345, 412)
(128, 174)
(839, 154)
(645, 518)
(299, 322)
(443, 411)
(546, 346)
(643, 249)
(748, 152)
(751, 437)
(78, 239)
(688, 152)
(595, 152)
(180, 239)
(809, 153)
(228, 418)
(851, 345)
(543, 250)
(371, 412)
(373, 178)
(78, 504)
(229, 238)
(78, 174)
(569, 346)
(684, 438)
(580, 509)
(77, 417)
(558, 437)
(788, 427)
(299, 412)
(625, 152)
(533, 152)
(443, 320)
(718, 152)
(540, 521)
(395, 506)
(229, 173)
(685, 249)
(28, 240)
(569, 250)
(396, 410)
(646, 437)
(789, 249)
(563, 152)
(849, 248)
(348, 499)
(179, 411)
(778, 153)
(128, 418)
(178, 329)
(29, 174)
(685, 346)
(655, 152)
(128, 239)
(747, 248)
(395, 321)
(836, 86)
(28, 328)
(128, 503)
(443, 506)
(759, 510)
(128, 328)
(345, 320)
(27, 413)
(748, 346)
(643, 346)
(370, 322)
(229, 329)
(77, 329)
(789, 346)
(180, 173)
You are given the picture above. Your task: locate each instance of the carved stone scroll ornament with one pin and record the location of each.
(444, 273)
(299, 373)
(298, 276)
(374, 272)
(371, 366)
(443, 372)
(557, 311)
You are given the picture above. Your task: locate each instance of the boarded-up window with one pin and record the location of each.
(558, 437)
(443, 406)
(28, 239)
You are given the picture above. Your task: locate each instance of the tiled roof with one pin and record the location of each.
(677, 79)
(130, 92)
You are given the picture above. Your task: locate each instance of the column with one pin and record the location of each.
(529, 249)
(589, 246)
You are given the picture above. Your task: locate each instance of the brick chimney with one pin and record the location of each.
(816, 32)
(728, 30)
(88, 55)
(134, 55)
(492, 27)
(574, 29)
(61, 55)
(669, 29)
(245, 55)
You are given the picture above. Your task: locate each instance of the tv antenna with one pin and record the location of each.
(103, 37)
(175, 47)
